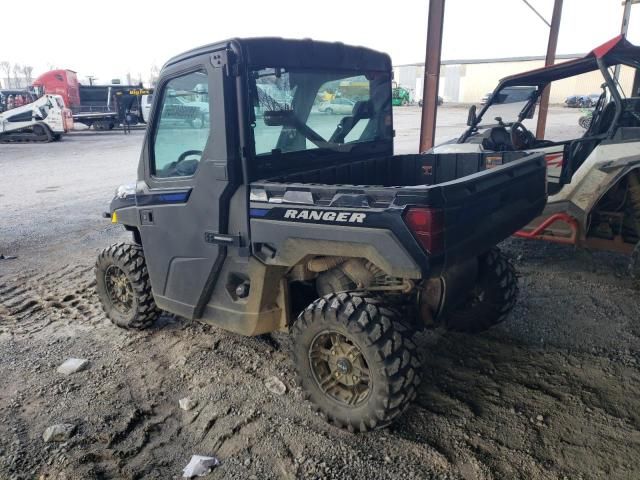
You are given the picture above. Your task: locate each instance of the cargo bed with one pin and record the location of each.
(480, 207)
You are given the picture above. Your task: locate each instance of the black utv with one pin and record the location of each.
(275, 215)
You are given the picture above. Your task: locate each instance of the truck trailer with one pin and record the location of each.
(100, 106)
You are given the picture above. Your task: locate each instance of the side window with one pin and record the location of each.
(183, 127)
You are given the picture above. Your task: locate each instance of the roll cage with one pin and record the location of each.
(617, 51)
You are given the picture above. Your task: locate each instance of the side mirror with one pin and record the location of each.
(471, 117)
(531, 112)
(279, 118)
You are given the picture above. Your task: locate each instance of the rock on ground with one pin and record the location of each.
(187, 403)
(58, 433)
(73, 365)
(275, 386)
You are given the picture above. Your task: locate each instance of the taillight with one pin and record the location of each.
(427, 225)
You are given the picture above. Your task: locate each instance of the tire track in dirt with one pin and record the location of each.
(31, 301)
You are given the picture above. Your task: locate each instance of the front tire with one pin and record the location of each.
(123, 286)
(355, 360)
(491, 300)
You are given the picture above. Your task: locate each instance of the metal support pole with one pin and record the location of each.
(623, 30)
(626, 15)
(431, 74)
(537, 13)
(549, 60)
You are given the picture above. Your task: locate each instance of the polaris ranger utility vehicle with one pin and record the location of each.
(594, 180)
(275, 216)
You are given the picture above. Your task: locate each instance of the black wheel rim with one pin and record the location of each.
(119, 289)
(339, 368)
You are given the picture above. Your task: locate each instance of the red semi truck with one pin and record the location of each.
(100, 106)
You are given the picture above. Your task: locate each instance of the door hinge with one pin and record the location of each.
(225, 59)
(219, 58)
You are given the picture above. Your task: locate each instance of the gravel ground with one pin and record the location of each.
(552, 393)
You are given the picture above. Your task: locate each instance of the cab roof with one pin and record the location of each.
(615, 51)
(306, 53)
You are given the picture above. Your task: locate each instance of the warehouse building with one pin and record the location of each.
(467, 81)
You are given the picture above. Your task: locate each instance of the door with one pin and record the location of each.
(184, 208)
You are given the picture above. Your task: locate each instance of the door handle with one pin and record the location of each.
(223, 239)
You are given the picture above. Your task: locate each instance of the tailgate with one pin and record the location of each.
(482, 209)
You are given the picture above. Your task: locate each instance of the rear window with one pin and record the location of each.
(299, 110)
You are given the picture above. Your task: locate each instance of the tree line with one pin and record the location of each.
(16, 75)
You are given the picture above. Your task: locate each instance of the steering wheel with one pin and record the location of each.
(521, 138)
(181, 167)
(184, 155)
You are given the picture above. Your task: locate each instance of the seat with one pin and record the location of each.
(579, 150)
(361, 110)
(499, 140)
(600, 125)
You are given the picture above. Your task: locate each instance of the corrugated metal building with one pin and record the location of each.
(467, 81)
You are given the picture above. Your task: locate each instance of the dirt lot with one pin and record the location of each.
(553, 393)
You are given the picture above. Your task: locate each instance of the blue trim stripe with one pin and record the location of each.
(258, 212)
(173, 197)
(163, 198)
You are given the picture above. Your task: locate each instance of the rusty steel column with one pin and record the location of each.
(431, 74)
(549, 60)
(623, 30)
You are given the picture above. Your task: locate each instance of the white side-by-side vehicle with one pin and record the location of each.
(594, 180)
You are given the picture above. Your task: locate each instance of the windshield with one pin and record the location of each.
(299, 110)
(506, 104)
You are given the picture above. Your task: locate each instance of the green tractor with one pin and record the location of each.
(400, 96)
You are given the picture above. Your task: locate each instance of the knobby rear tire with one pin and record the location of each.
(385, 343)
(491, 301)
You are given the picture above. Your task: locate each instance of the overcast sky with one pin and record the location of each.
(112, 38)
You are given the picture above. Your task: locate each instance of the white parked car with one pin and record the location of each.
(337, 105)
